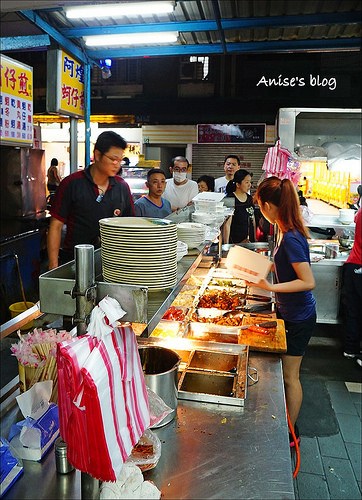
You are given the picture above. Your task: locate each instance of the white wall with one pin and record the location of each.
(55, 142)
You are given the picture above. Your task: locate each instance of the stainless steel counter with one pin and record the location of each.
(208, 451)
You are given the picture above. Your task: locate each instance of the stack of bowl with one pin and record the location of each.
(209, 212)
(191, 233)
(182, 249)
(346, 216)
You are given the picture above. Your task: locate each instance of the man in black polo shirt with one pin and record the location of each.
(86, 196)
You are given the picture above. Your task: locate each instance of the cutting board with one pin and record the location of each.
(275, 341)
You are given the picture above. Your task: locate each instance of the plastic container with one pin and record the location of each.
(18, 308)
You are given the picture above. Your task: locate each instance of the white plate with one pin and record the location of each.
(136, 222)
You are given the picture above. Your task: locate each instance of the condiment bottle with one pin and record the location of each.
(61, 462)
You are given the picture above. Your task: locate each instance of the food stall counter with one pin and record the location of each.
(208, 450)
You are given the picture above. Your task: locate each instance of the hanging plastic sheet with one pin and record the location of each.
(280, 162)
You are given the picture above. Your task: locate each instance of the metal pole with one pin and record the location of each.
(84, 283)
(73, 153)
(89, 487)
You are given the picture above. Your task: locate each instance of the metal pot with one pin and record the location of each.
(160, 366)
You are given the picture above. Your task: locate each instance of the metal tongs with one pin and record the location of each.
(263, 324)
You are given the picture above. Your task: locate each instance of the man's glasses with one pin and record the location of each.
(180, 169)
(116, 161)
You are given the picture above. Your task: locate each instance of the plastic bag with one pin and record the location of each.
(158, 408)
(102, 394)
(147, 451)
(129, 485)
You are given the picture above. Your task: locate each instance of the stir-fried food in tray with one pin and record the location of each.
(219, 320)
(220, 299)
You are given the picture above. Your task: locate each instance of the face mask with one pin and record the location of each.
(179, 176)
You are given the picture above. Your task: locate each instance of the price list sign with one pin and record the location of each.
(248, 133)
(16, 99)
(65, 84)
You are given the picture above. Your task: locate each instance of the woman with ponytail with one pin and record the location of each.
(279, 204)
(241, 226)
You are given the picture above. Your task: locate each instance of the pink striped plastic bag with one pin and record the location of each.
(109, 407)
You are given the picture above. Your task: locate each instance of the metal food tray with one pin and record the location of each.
(215, 377)
(209, 332)
(211, 384)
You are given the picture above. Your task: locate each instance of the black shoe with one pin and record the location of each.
(359, 360)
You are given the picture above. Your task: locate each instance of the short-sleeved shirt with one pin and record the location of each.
(75, 204)
(180, 196)
(295, 306)
(146, 208)
(220, 185)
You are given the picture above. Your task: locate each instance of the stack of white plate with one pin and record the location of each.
(139, 251)
(191, 233)
(182, 249)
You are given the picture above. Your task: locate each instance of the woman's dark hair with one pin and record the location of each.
(54, 162)
(209, 181)
(109, 139)
(283, 195)
(239, 176)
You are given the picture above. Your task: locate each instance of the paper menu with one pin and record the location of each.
(246, 264)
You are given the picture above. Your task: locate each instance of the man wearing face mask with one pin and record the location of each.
(179, 189)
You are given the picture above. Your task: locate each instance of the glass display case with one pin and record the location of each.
(136, 178)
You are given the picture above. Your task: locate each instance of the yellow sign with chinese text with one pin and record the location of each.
(65, 84)
(16, 99)
(72, 85)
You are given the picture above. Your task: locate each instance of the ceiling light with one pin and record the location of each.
(120, 10)
(131, 39)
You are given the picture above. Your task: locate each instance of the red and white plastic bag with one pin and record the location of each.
(103, 402)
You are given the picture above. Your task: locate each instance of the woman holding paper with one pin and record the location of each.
(279, 204)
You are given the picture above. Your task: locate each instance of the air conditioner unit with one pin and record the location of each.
(191, 70)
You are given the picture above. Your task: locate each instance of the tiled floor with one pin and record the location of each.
(330, 467)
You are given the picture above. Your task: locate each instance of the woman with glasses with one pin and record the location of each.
(85, 197)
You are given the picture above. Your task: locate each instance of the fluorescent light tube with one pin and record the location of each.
(131, 39)
(120, 10)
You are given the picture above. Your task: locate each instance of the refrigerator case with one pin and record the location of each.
(23, 181)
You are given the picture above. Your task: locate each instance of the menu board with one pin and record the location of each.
(247, 133)
(16, 99)
(65, 84)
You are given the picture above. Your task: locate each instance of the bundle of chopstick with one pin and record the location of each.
(36, 355)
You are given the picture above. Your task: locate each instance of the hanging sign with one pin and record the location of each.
(243, 133)
(65, 84)
(16, 99)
